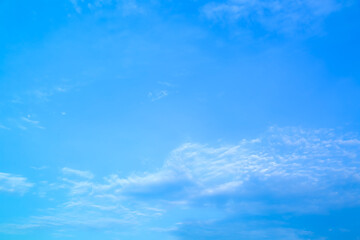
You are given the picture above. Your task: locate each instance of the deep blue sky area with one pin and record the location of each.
(179, 120)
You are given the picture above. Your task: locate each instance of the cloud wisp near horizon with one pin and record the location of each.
(284, 171)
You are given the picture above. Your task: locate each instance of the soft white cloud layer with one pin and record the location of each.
(286, 170)
(288, 162)
(14, 183)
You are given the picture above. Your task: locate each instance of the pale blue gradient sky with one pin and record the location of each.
(124, 119)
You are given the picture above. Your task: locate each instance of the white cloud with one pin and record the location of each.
(28, 120)
(284, 161)
(313, 170)
(76, 6)
(26, 99)
(79, 173)
(14, 183)
(277, 15)
(127, 7)
(157, 95)
(288, 162)
(45, 93)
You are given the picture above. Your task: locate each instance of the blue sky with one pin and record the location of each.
(174, 120)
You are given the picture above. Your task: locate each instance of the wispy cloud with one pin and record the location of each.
(24, 101)
(313, 170)
(79, 173)
(275, 15)
(14, 183)
(287, 162)
(127, 7)
(44, 94)
(157, 95)
(302, 161)
(29, 122)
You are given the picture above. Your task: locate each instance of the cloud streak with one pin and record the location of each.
(275, 15)
(288, 162)
(79, 173)
(157, 95)
(14, 183)
(283, 171)
(127, 7)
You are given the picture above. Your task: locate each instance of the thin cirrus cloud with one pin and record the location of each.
(29, 122)
(276, 15)
(14, 183)
(281, 16)
(26, 101)
(291, 162)
(157, 95)
(127, 7)
(285, 170)
(74, 172)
